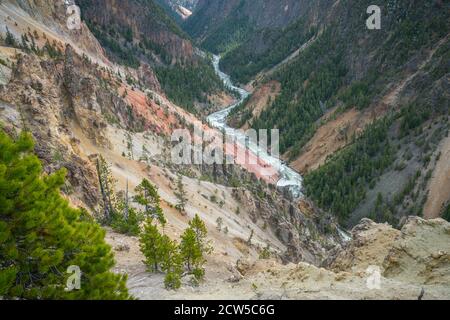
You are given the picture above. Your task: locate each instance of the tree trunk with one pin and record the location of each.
(126, 212)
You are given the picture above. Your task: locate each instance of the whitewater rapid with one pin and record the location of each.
(289, 178)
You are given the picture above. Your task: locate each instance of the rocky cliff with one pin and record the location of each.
(418, 253)
(49, 18)
(136, 33)
(47, 97)
(136, 21)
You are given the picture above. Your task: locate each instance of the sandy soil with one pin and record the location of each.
(440, 183)
(259, 100)
(328, 139)
(268, 279)
(336, 132)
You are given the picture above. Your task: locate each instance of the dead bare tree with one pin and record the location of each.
(126, 209)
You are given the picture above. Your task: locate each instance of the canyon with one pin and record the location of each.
(272, 238)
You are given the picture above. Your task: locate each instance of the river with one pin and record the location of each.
(288, 178)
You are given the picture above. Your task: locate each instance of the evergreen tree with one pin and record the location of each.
(163, 254)
(201, 233)
(41, 236)
(250, 238)
(33, 46)
(25, 43)
(52, 50)
(190, 250)
(10, 40)
(148, 197)
(129, 223)
(116, 210)
(154, 245)
(126, 210)
(151, 241)
(172, 263)
(194, 246)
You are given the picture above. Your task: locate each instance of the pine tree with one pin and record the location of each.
(201, 233)
(41, 235)
(34, 47)
(250, 238)
(181, 195)
(172, 263)
(194, 246)
(127, 223)
(151, 240)
(153, 244)
(123, 218)
(25, 42)
(52, 50)
(10, 40)
(148, 197)
(126, 210)
(190, 249)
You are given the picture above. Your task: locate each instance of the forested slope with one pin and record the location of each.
(396, 78)
(140, 31)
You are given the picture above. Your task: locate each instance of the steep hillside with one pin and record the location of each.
(253, 35)
(364, 115)
(136, 32)
(180, 9)
(190, 5)
(346, 77)
(133, 21)
(46, 21)
(214, 19)
(80, 111)
(177, 12)
(77, 113)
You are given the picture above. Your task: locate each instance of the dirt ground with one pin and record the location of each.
(260, 98)
(440, 183)
(268, 279)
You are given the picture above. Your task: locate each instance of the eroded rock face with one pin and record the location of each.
(145, 20)
(418, 253)
(370, 245)
(188, 4)
(421, 253)
(148, 77)
(82, 95)
(35, 92)
(303, 235)
(53, 14)
(49, 97)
